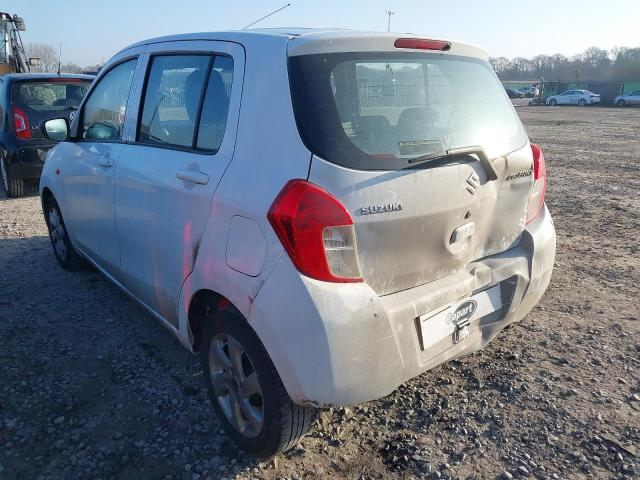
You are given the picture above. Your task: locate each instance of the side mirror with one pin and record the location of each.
(103, 131)
(56, 129)
(19, 23)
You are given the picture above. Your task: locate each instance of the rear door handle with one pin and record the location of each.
(105, 163)
(193, 176)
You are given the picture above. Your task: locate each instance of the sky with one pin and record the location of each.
(92, 31)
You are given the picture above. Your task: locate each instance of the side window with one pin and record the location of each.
(104, 111)
(215, 108)
(172, 99)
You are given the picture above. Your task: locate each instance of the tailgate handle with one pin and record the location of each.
(193, 176)
(462, 232)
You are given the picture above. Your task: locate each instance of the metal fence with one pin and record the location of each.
(607, 90)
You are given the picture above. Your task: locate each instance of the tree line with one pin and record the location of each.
(619, 64)
(49, 60)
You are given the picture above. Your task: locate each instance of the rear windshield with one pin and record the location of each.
(379, 110)
(49, 96)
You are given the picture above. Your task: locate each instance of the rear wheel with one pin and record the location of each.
(62, 248)
(582, 102)
(553, 102)
(13, 186)
(621, 103)
(245, 388)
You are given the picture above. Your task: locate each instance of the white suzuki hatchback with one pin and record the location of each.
(322, 215)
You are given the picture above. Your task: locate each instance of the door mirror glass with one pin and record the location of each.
(56, 129)
(103, 131)
(20, 24)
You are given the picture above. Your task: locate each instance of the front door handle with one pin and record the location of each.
(105, 163)
(193, 176)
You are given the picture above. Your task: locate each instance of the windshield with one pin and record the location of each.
(378, 110)
(49, 96)
(5, 44)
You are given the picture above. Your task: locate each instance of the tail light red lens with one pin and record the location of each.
(316, 231)
(21, 124)
(536, 200)
(422, 44)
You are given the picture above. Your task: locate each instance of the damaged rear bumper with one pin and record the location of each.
(340, 344)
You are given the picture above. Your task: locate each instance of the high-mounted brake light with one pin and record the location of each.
(316, 231)
(21, 124)
(422, 44)
(536, 200)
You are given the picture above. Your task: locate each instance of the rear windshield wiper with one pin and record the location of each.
(455, 152)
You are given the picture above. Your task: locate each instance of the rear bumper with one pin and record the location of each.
(27, 161)
(340, 344)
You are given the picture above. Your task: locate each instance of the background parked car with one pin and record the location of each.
(581, 98)
(513, 93)
(530, 92)
(27, 100)
(628, 99)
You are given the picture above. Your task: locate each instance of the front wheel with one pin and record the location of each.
(245, 388)
(621, 103)
(582, 102)
(62, 248)
(13, 186)
(553, 102)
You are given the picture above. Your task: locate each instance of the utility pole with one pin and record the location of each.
(389, 13)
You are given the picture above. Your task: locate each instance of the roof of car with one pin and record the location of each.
(45, 76)
(306, 36)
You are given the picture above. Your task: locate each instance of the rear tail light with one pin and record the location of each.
(21, 124)
(422, 44)
(316, 231)
(536, 200)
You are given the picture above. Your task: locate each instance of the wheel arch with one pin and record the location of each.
(45, 196)
(203, 303)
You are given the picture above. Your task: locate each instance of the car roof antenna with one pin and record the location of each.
(267, 16)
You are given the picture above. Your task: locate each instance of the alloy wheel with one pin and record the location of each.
(57, 233)
(236, 385)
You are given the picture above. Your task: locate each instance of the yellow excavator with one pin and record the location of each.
(13, 58)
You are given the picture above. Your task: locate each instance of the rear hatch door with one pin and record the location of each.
(426, 152)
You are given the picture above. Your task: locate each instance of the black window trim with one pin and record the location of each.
(95, 83)
(194, 141)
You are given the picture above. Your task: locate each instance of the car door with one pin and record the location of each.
(567, 97)
(634, 98)
(87, 177)
(167, 175)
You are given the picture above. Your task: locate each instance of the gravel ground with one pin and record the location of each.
(92, 387)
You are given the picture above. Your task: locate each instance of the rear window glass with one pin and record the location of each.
(379, 110)
(49, 96)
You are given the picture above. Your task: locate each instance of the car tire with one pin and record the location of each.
(13, 186)
(582, 102)
(553, 102)
(64, 252)
(621, 103)
(247, 394)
